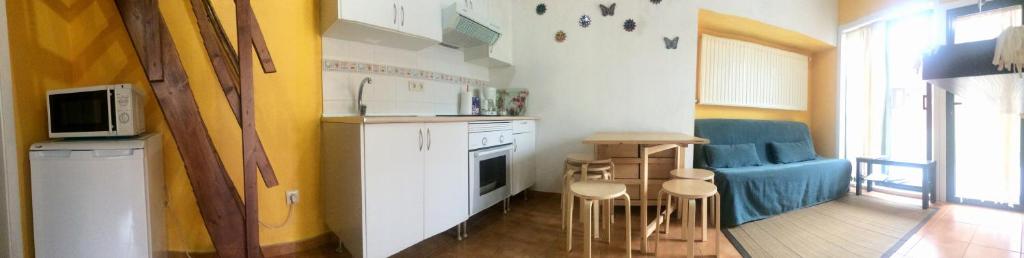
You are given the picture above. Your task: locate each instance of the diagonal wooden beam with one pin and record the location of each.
(151, 28)
(245, 72)
(225, 65)
(218, 200)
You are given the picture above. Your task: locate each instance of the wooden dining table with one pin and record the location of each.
(649, 143)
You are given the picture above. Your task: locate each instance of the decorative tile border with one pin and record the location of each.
(346, 66)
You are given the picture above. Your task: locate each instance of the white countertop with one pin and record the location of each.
(417, 119)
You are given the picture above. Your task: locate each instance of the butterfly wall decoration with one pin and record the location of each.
(607, 10)
(656, 1)
(672, 43)
(541, 9)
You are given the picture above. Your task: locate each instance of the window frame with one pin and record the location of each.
(954, 13)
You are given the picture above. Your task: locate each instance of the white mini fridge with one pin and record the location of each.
(98, 198)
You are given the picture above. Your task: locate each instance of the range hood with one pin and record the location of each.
(463, 31)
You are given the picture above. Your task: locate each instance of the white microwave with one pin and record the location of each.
(97, 111)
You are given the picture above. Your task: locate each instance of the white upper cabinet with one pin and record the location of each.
(406, 24)
(421, 17)
(499, 54)
(475, 9)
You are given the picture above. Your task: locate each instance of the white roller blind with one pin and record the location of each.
(744, 74)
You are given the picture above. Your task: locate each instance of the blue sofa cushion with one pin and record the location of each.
(789, 152)
(738, 131)
(732, 156)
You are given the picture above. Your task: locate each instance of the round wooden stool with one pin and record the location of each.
(596, 191)
(695, 174)
(691, 190)
(574, 164)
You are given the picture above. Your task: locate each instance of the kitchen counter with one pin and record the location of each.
(417, 119)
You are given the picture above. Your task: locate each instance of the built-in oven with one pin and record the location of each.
(490, 160)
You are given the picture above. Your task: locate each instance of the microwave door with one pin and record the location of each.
(82, 112)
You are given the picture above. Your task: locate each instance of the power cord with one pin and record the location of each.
(177, 224)
(283, 223)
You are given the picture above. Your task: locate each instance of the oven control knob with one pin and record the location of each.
(123, 117)
(483, 141)
(501, 139)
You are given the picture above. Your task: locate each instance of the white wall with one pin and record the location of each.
(816, 18)
(390, 95)
(606, 79)
(603, 78)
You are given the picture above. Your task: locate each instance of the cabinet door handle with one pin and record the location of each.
(430, 140)
(515, 145)
(403, 15)
(394, 13)
(421, 139)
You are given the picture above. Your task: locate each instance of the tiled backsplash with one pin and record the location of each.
(425, 82)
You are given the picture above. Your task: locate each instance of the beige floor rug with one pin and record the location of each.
(854, 226)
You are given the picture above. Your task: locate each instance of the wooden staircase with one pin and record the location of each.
(232, 225)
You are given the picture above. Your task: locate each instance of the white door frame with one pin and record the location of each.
(10, 200)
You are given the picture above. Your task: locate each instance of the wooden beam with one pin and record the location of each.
(217, 197)
(259, 43)
(153, 64)
(225, 66)
(261, 46)
(245, 71)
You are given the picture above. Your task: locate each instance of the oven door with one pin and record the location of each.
(488, 176)
(81, 114)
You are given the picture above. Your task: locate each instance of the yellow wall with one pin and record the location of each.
(851, 10)
(57, 44)
(39, 61)
(820, 116)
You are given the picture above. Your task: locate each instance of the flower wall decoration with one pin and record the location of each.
(585, 21)
(629, 25)
(560, 36)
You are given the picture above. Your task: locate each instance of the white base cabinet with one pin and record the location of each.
(524, 160)
(389, 186)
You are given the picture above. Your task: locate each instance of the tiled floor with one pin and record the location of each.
(531, 229)
(967, 231)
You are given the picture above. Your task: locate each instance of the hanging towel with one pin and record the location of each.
(1010, 50)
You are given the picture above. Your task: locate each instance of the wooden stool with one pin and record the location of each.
(596, 169)
(691, 190)
(596, 191)
(695, 174)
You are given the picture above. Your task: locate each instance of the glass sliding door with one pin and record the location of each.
(983, 116)
(884, 95)
(905, 115)
(986, 153)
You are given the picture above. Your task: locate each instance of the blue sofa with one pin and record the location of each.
(757, 192)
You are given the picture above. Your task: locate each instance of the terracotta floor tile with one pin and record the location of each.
(1008, 238)
(950, 230)
(979, 251)
(938, 248)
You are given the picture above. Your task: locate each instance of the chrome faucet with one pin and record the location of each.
(359, 103)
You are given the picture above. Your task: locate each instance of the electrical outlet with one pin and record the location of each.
(415, 86)
(291, 197)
